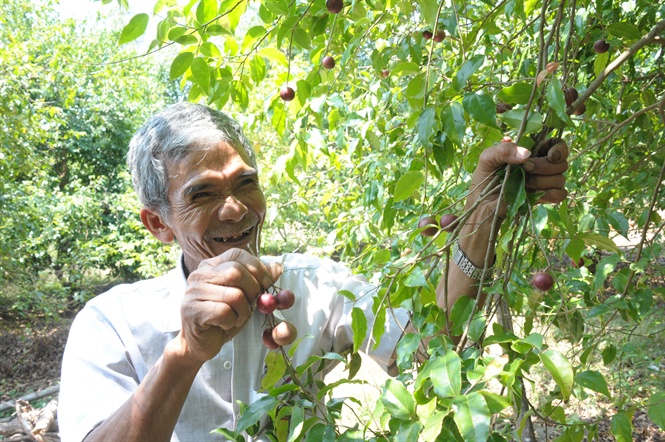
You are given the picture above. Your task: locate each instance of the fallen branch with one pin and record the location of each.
(50, 391)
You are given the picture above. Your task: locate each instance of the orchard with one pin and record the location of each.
(371, 161)
(368, 118)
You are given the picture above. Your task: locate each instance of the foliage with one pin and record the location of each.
(67, 211)
(392, 132)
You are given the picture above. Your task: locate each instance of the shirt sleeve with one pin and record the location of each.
(98, 375)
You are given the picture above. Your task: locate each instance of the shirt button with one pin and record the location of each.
(227, 365)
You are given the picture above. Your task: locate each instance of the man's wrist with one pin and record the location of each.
(466, 266)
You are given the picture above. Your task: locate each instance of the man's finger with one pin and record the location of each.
(543, 166)
(553, 196)
(544, 182)
(555, 149)
(262, 274)
(500, 154)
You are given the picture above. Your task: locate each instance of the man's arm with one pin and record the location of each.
(220, 298)
(544, 174)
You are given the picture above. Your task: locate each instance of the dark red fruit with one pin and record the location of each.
(266, 303)
(328, 62)
(447, 222)
(579, 110)
(542, 281)
(287, 93)
(428, 221)
(503, 107)
(570, 93)
(601, 46)
(285, 299)
(268, 340)
(284, 333)
(385, 73)
(440, 35)
(334, 6)
(427, 35)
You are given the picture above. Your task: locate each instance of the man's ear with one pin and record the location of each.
(153, 222)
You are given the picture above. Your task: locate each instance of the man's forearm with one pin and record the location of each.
(153, 409)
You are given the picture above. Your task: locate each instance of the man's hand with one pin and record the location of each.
(544, 171)
(221, 296)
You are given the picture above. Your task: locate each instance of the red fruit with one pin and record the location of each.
(542, 281)
(266, 303)
(428, 221)
(287, 93)
(601, 46)
(427, 35)
(447, 222)
(570, 93)
(284, 333)
(268, 340)
(334, 6)
(328, 62)
(440, 35)
(503, 107)
(285, 299)
(385, 73)
(580, 109)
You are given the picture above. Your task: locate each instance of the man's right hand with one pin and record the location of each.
(220, 298)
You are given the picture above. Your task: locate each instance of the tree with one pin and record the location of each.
(68, 111)
(391, 132)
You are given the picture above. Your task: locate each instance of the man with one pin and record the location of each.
(167, 358)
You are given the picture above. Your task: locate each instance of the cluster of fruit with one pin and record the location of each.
(283, 333)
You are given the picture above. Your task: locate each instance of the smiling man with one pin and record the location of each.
(168, 358)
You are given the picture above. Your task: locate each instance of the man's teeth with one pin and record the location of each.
(234, 237)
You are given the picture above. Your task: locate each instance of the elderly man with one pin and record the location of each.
(167, 358)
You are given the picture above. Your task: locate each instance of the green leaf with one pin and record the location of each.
(180, 64)
(206, 11)
(276, 367)
(301, 38)
(426, 122)
(446, 375)
(416, 278)
(296, 423)
(428, 9)
(466, 71)
(201, 73)
(513, 118)
(556, 99)
(408, 431)
(472, 417)
(518, 93)
(275, 55)
(574, 248)
(602, 242)
(619, 222)
(481, 108)
(408, 184)
(256, 411)
(624, 30)
(560, 369)
(359, 326)
(397, 400)
(209, 50)
(600, 63)
(433, 425)
(656, 409)
(622, 428)
(515, 191)
(454, 124)
(495, 402)
(405, 68)
(134, 29)
(593, 380)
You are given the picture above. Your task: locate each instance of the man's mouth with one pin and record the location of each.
(233, 238)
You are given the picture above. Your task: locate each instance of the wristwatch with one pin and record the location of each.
(467, 266)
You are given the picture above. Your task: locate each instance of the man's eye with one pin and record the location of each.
(199, 195)
(248, 181)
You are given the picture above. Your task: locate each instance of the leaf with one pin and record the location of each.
(416, 278)
(405, 68)
(428, 9)
(206, 11)
(134, 29)
(518, 93)
(296, 423)
(515, 191)
(602, 242)
(513, 118)
(593, 380)
(600, 63)
(656, 409)
(408, 184)
(495, 402)
(256, 411)
(180, 64)
(359, 326)
(426, 126)
(481, 108)
(472, 417)
(397, 400)
(622, 429)
(276, 367)
(560, 369)
(624, 30)
(574, 249)
(466, 71)
(446, 375)
(275, 55)
(408, 431)
(454, 124)
(201, 73)
(556, 99)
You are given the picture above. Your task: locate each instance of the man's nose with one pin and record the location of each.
(233, 210)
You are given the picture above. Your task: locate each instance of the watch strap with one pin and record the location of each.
(465, 265)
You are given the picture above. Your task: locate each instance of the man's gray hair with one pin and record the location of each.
(169, 137)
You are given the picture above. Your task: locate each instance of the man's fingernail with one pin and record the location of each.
(522, 153)
(529, 166)
(555, 156)
(267, 281)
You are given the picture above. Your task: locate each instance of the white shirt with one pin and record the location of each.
(119, 335)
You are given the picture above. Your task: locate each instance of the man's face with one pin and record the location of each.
(216, 204)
